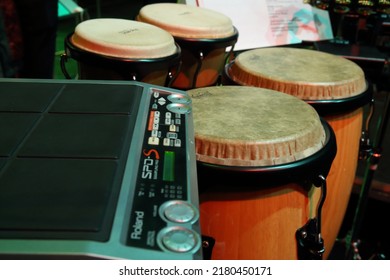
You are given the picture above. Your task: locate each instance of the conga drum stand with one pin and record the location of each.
(371, 153)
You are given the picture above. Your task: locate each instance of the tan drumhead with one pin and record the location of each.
(123, 38)
(249, 126)
(304, 73)
(186, 21)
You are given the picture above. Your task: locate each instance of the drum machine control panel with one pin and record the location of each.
(97, 169)
(161, 212)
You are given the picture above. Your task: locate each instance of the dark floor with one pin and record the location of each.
(374, 232)
(374, 235)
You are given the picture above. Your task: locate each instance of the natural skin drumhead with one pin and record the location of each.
(123, 39)
(186, 21)
(249, 126)
(306, 74)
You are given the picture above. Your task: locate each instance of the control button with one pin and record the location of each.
(156, 94)
(178, 108)
(172, 128)
(179, 98)
(161, 101)
(172, 135)
(179, 240)
(177, 143)
(153, 141)
(179, 212)
(166, 142)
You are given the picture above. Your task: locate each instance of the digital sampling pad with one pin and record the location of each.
(97, 169)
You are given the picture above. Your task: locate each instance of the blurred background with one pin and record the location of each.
(374, 234)
(360, 35)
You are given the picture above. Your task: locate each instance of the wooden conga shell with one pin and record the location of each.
(315, 76)
(120, 49)
(245, 127)
(255, 225)
(203, 36)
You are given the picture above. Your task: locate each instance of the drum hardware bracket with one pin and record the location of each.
(365, 147)
(172, 74)
(198, 67)
(133, 76)
(310, 242)
(207, 246)
(63, 60)
(309, 239)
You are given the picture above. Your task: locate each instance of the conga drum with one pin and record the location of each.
(120, 49)
(259, 155)
(336, 88)
(206, 38)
